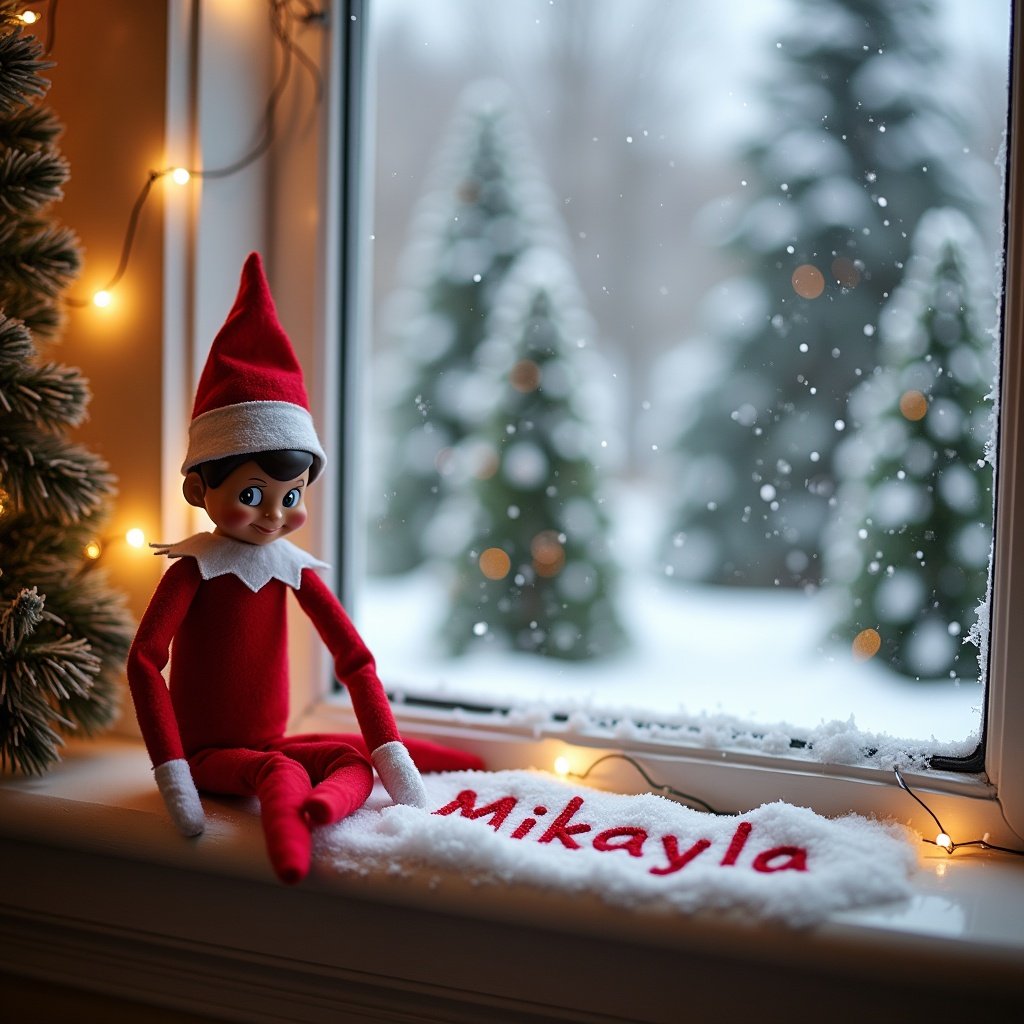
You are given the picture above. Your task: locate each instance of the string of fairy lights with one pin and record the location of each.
(943, 840)
(284, 18)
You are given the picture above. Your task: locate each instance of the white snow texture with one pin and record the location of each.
(777, 862)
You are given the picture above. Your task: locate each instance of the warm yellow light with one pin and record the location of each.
(102, 299)
(944, 841)
(29, 17)
(93, 549)
(180, 176)
(562, 766)
(135, 537)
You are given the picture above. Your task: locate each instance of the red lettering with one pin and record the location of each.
(634, 844)
(466, 803)
(739, 840)
(527, 823)
(558, 830)
(676, 860)
(797, 859)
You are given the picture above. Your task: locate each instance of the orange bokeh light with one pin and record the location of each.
(866, 644)
(495, 563)
(548, 553)
(846, 272)
(808, 281)
(525, 376)
(913, 405)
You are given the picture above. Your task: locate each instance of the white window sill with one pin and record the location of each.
(102, 894)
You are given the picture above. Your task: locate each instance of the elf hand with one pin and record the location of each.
(400, 776)
(174, 780)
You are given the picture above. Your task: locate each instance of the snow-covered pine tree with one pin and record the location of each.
(486, 204)
(533, 570)
(858, 138)
(63, 631)
(908, 551)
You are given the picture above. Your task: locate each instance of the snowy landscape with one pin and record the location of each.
(681, 366)
(714, 658)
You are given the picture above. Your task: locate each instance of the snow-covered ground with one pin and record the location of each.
(751, 654)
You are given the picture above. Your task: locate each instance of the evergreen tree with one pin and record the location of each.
(859, 139)
(536, 574)
(63, 632)
(909, 548)
(486, 207)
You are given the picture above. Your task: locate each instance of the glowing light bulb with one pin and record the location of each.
(562, 766)
(944, 841)
(180, 176)
(93, 550)
(135, 537)
(102, 299)
(29, 17)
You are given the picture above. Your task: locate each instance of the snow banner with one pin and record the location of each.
(777, 861)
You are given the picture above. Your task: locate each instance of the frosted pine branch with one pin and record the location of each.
(28, 741)
(15, 341)
(19, 620)
(50, 478)
(50, 395)
(40, 258)
(30, 180)
(20, 82)
(30, 128)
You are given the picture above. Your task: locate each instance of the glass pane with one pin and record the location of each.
(682, 351)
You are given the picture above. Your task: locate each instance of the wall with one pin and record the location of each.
(141, 87)
(108, 90)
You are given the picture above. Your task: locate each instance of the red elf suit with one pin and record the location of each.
(220, 726)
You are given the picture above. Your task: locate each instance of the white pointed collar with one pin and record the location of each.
(254, 564)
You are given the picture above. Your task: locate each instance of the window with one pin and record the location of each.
(682, 332)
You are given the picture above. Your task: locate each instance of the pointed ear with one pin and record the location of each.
(194, 489)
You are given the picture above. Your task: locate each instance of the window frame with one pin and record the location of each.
(981, 793)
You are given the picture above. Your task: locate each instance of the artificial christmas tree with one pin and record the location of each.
(536, 574)
(859, 138)
(486, 206)
(63, 631)
(908, 551)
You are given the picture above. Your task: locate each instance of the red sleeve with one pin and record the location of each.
(149, 654)
(353, 662)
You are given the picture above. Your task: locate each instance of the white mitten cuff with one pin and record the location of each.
(174, 780)
(400, 776)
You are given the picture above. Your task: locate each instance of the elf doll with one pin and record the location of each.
(220, 725)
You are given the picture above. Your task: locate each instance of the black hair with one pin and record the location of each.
(282, 464)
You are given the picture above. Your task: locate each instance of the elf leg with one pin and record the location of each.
(282, 786)
(427, 756)
(343, 777)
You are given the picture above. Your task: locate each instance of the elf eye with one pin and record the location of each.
(291, 499)
(251, 496)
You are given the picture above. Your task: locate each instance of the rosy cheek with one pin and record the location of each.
(297, 518)
(234, 516)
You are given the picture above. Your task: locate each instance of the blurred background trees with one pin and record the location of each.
(736, 192)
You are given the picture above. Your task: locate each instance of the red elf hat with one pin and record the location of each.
(251, 396)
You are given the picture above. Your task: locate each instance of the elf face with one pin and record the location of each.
(250, 505)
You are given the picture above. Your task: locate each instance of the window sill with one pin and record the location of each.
(107, 898)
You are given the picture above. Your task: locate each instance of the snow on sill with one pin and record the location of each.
(830, 743)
